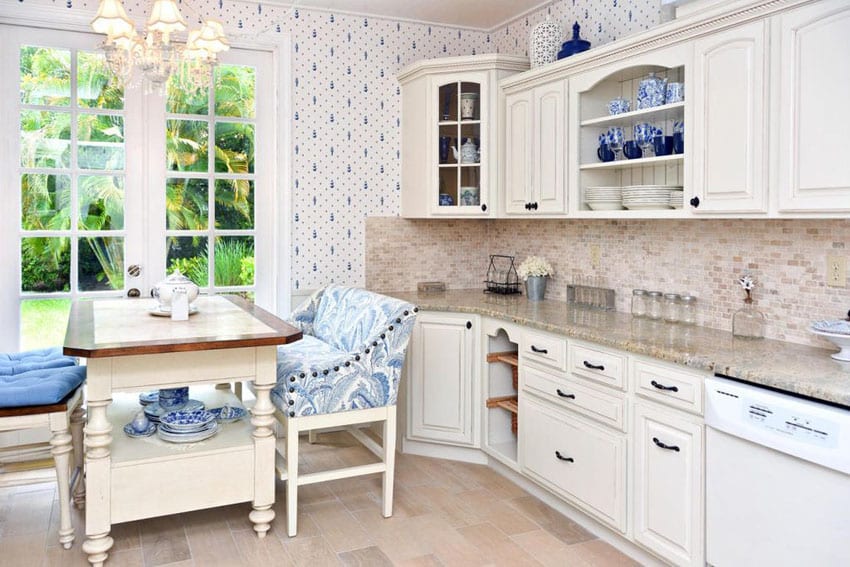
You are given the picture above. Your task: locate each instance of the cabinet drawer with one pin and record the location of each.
(581, 461)
(600, 366)
(545, 349)
(605, 408)
(670, 386)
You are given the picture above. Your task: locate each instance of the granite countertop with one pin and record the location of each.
(800, 369)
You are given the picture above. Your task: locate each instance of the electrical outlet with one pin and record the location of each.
(594, 256)
(836, 271)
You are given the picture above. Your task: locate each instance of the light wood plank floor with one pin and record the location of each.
(446, 513)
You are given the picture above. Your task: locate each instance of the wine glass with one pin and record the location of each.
(616, 139)
(644, 133)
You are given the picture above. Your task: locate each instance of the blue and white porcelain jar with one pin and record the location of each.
(544, 42)
(651, 91)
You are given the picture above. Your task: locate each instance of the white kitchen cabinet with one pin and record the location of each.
(583, 462)
(668, 484)
(443, 392)
(730, 100)
(535, 153)
(810, 63)
(452, 102)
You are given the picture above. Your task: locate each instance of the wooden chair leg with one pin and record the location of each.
(292, 477)
(60, 448)
(78, 417)
(389, 434)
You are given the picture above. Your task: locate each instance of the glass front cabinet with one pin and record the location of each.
(449, 144)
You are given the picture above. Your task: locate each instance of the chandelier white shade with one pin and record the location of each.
(152, 53)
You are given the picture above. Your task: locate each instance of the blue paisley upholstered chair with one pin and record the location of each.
(343, 372)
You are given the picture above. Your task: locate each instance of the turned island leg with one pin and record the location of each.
(264, 441)
(98, 438)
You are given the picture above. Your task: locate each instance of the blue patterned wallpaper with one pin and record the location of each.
(346, 106)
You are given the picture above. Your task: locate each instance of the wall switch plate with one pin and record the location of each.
(836, 271)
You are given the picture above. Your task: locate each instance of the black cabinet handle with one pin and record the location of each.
(665, 388)
(534, 205)
(592, 366)
(539, 350)
(563, 395)
(664, 445)
(483, 207)
(560, 457)
(469, 324)
(528, 206)
(695, 202)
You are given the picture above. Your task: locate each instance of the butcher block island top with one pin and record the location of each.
(795, 368)
(124, 327)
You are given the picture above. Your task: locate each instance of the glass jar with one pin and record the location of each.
(748, 322)
(653, 305)
(688, 310)
(671, 307)
(638, 303)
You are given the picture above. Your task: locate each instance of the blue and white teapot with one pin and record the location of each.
(468, 152)
(651, 91)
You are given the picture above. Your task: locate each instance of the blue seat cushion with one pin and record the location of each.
(20, 362)
(40, 387)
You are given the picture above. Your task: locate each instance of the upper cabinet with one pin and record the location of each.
(535, 150)
(813, 86)
(450, 125)
(626, 116)
(730, 101)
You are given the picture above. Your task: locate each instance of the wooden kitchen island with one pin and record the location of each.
(129, 350)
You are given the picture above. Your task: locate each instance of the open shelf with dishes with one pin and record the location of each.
(630, 143)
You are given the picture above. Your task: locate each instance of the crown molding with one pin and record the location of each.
(483, 62)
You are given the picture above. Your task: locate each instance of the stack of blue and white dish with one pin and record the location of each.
(187, 426)
(160, 402)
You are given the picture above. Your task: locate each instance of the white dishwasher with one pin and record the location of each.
(777, 479)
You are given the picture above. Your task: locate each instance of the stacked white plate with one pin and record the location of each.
(644, 197)
(187, 426)
(603, 198)
(677, 199)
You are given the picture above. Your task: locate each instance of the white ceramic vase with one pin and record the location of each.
(544, 42)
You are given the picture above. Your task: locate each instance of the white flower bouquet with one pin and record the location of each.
(748, 283)
(534, 266)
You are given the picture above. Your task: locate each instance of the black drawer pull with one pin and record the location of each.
(665, 388)
(539, 350)
(469, 324)
(664, 445)
(563, 395)
(593, 366)
(560, 457)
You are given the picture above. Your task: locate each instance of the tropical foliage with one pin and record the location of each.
(46, 137)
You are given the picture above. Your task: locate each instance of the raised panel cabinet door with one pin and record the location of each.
(668, 479)
(813, 163)
(730, 106)
(441, 379)
(549, 187)
(518, 152)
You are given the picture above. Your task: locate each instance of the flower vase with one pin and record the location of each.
(535, 287)
(748, 322)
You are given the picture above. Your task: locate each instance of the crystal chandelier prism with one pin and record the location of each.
(153, 56)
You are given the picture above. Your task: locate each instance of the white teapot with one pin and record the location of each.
(468, 152)
(174, 284)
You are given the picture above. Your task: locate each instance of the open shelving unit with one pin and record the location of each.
(501, 402)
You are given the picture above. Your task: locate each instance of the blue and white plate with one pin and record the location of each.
(155, 411)
(166, 429)
(233, 413)
(146, 398)
(128, 429)
(838, 327)
(187, 420)
(188, 437)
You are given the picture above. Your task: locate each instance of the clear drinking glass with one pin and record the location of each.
(644, 133)
(616, 139)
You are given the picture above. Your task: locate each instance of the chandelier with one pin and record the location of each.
(153, 55)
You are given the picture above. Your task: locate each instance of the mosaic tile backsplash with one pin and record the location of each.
(787, 258)
(346, 105)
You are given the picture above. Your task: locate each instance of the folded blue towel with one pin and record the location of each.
(40, 387)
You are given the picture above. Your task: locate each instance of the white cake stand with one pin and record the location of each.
(840, 340)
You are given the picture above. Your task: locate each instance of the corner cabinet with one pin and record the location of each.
(443, 389)
(535, 150)
(449, 142)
